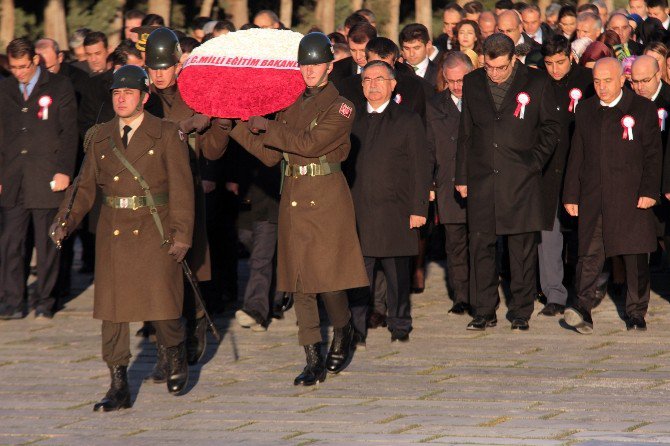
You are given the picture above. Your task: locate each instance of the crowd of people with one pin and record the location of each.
(529, 145)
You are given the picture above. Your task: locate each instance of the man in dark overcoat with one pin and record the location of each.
(571, 84)
(38, 150)
(140, 165)
(507, 134)
(443, 116)
(613, 180)
(318, 249)
(390, 187)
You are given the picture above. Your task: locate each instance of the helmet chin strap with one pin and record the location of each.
(323, 76)
(138, 108)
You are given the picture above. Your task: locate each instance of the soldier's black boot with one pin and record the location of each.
(159, 373)
(314, 372)
(118, 395)
(196, 339)
(340, 348)
(177, 369)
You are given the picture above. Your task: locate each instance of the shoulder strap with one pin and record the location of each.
(145, 187)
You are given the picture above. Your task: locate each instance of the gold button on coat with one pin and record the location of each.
(136, 231)
(151, 152)
(116, 178)
(294, 203)
(117, 232)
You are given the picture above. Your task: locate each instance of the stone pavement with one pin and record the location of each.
(550, 386)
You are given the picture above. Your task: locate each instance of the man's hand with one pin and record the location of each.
(208, 186)
(233, 187)
(178, 251)
(667, 196)
(431, 195)
(196, 123)
(416, 221)
(645, 202)
(572, 209)
(58, 232)
(463, 190)
(257, 124)
(61, 182)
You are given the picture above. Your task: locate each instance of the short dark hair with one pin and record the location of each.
(498, 44)
(454, 7)
(188, 44)
(557, 44)
(95, 37)
(247, 26)
(504, 4)
(368, 14)
(382, 47)
(379, 63)
(657, 4)
(414, 31)
(568, 11)
(473, 7)
(519, 6)
(134, 14)
(153, 19)
(120, 54)
(21, 47)
(337, 38)
(200, 22)
(223, 25)
(353, 19)
(267, 12)
(362, 32)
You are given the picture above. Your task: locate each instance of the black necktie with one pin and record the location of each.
(124, 138)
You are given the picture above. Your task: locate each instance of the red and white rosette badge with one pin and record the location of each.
(243, 74)
(662, 116)
(44, 102)
(627, 122)
(575, 96)
(522, 99)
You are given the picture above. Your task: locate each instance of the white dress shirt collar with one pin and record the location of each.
(614, 102)
(379, 109)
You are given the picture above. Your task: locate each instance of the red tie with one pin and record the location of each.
(25, 92)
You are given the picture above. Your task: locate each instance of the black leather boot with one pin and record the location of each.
(118, 395)
(340, 348)
(196, 339)
(177, 369)
(314, 372)
(159, 373)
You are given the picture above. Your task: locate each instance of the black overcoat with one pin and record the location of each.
(443, 119)
(32, 149)
(391, 180)
(552, 176)
(500, 157)
(607, 174)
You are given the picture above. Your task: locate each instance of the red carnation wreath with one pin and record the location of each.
(243, 74)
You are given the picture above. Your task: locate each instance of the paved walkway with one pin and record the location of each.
(549, 386)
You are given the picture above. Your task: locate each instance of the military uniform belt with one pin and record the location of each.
(135, 202)
(312, 169)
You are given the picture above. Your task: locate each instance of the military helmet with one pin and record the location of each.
(130, 76)
(162, 49)
(315, 48)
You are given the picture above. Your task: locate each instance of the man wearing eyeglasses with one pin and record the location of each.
(390, 188)
(611, 183)
(38, 148)
(646, 81)
(508, 132)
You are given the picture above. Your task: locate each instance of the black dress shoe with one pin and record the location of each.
(118, 395)
(315, 371)
(10, 314)
(460, 308)
(41, 313)
(196, 339)
(479, 323)
(376, 320)
(552, 309)
(340, 348)
(520, 324)
(177, 377)
(159, 373)
(579, 319)
(636, 323)
(399, 336)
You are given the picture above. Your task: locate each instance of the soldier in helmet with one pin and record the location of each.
(140, 164)
(207, 139)
(319, 253)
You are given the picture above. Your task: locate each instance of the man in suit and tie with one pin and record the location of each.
(415, 44)
(359, 36)
(390, 188)
(533, 27)
(509, 23)
(443, 116)
(507, 134)
(38, 149)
